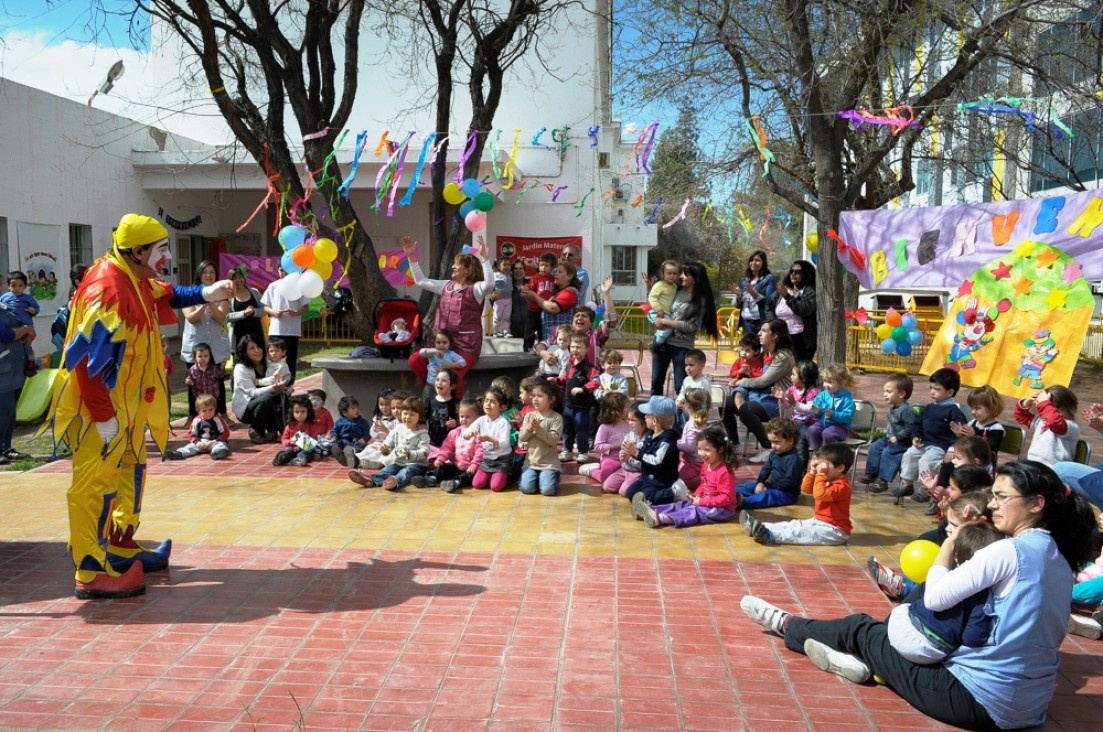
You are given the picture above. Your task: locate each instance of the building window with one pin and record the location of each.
(624, 265)
(4, 245)
(80, 244)
(923, 177)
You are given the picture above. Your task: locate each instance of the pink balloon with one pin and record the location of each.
(475, 221)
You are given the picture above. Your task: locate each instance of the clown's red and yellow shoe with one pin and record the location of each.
(106, 587)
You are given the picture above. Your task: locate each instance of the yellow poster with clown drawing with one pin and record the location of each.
(1017, 323)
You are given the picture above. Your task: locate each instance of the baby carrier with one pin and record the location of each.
(386, 312)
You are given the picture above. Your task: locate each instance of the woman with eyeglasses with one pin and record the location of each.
(1008, 682)
(694, 308)
(245, 310)
(796, 305)
(206, 323)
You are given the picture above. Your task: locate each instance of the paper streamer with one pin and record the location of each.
(592, 134)
(382, 143)
(581, 205)
(512, 164)
(409, 197)
(561, 136)
(897, 118)
(758, 134)
(468, 148)
(705, 215)
(317, 135)
(270, 192)
(537, 136)
(681, 215)
(494, 153)
(654, 212)
(641, 161)
(346, 184)
(526, 189)
(638, 200)
(558, 190)
(762, 233)
(1013, 106)
(399, 168)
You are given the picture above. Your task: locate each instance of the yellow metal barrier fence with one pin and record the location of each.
(863, 348)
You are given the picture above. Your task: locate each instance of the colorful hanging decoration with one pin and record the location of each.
(647, 139)
(537, 136)
(654, 212)
(1013, 106)
(512, 164)
(896, 118)
(382, 143)
(681, 215)
(592, 133)
(845, 249)
(581, 205)
(758, 134)
(558, 190)
(416, 177)
(561, 136)
(177, 224)
(346, 184)
(468, 149)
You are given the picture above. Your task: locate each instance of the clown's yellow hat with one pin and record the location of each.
(135, 230)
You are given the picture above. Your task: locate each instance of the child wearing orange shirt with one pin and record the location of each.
(826, 481)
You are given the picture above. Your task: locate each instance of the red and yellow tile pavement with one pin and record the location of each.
(297, 600)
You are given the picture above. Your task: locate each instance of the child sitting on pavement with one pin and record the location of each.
(779, 479)
(886, 453)
(409, 444)
(826, 481)
(208, 432)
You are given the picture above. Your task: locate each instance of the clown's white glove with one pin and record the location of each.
(221, 290)
(108, 429)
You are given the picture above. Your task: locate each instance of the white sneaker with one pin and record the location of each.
(564, 457)
(826, 658)
(1085, 627)
(681, 490)
(761, 457)
(768, 616)
(583, 457)
(585, 470)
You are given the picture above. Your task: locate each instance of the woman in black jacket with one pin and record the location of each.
(796, 302)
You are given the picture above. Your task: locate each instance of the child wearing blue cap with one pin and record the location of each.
(658, 456)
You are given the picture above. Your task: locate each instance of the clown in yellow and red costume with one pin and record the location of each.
(110, 389)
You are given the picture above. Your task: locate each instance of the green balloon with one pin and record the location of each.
(484, 201)
(900, 334)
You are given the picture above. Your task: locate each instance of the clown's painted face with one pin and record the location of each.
(158, 257)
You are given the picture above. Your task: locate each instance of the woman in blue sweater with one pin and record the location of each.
(1007, 682)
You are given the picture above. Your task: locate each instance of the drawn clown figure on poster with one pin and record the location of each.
(1040, 350)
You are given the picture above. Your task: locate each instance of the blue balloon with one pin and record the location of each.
(291, 237)
(288, 264)
(904, 349)
(466, 207)
(915, 337)
(909, 322)
(471, 188)
(815, 258)
(888, 345)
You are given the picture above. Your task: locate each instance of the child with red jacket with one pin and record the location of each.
(579, 382)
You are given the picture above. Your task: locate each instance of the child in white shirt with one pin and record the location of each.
(610, 379)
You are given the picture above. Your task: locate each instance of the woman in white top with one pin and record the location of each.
(206, 323)
(259, 406)
(1008, 682)
(461, 306)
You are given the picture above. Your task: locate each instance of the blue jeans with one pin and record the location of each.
(548, 480)
(1084, 479)
(664, 356)
(401, 473)
(768, 498)
(576, 428)
(884, 458)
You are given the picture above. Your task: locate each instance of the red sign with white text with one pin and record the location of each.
(529, 248)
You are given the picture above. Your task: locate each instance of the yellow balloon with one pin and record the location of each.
(917, 558)
(324, 269)
(453, 194)
(812, 241)
(884, 330)
(325, 250)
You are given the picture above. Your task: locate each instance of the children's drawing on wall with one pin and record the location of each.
(1018, 320)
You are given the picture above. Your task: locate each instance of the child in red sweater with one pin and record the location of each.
(714, 500)
(827, 482)
(301, 435)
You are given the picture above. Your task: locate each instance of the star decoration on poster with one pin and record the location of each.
(965, 289)
(1047, 258)
(1071, 273)
(1022, 286)
(1056, 299)
(1003, 271)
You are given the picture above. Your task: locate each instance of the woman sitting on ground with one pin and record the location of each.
(1008, 682)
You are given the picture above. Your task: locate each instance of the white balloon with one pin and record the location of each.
(310, 283)
(290, 286)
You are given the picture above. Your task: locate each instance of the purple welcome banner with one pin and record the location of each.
(942, 246)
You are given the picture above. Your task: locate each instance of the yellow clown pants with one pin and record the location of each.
(106, 494)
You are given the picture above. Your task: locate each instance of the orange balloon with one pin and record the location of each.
(303, 255)
(892, 317)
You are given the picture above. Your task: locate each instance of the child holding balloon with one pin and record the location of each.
(917, 556)
(924, 636)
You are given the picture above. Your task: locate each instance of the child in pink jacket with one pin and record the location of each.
(459, 457)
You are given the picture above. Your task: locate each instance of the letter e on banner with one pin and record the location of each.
(1047, 216)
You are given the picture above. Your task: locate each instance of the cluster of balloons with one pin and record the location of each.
(473, 201)
(917, 559)
(899, 333)
(307, 261)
